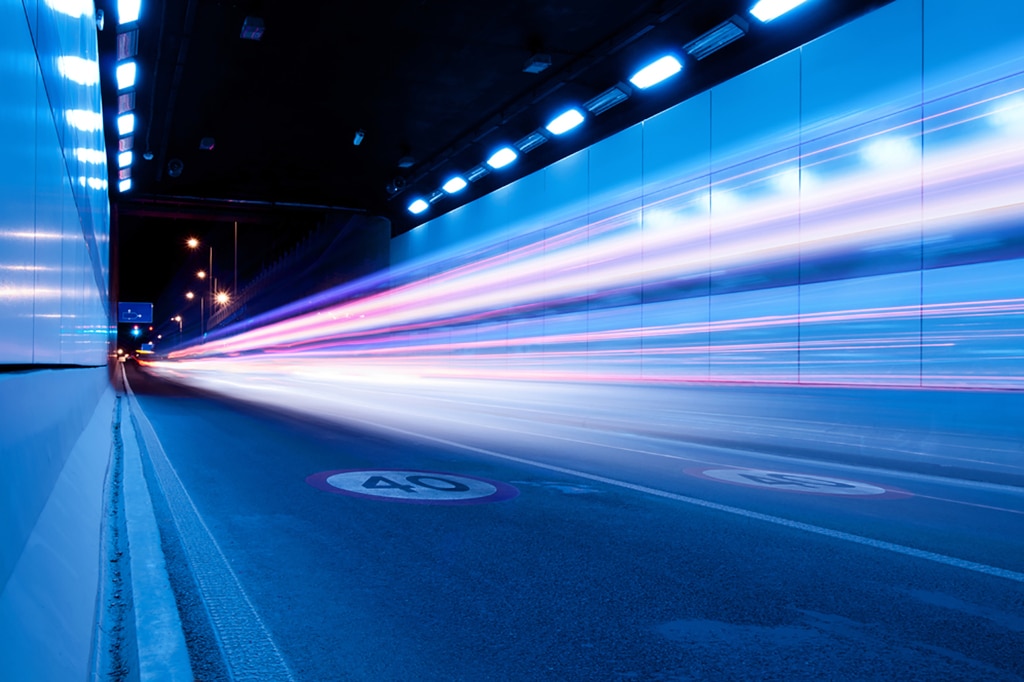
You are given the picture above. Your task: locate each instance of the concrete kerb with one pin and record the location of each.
(163, 654)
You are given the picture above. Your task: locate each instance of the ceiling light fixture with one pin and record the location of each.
(454, 184)
(126, 101)
(617, 94)
(714, 40)
(766, 10)
(537, 63)
(531, 141)
(565, 122)
(656, 72)
(418, 206)
(128, 11)
(124, 185)
(126, 124)
(124, 159)
(477, 172)
(127, 44)
(502, 158)
(126, 75)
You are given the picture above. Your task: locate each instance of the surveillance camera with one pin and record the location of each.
(396, 185)
(174, 167)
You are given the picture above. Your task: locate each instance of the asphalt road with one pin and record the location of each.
(535, 552)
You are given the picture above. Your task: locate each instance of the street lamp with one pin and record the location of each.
(222, 297)
(192, 243)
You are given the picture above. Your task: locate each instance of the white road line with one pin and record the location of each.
(777, 520)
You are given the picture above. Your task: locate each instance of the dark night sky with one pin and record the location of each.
(153, 258)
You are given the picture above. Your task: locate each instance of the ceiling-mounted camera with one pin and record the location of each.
(396, 185)
(174, 167)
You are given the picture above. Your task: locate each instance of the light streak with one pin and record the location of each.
(704, 293)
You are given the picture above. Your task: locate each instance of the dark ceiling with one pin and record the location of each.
(439, 83)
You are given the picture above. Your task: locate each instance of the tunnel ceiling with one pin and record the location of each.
(260, 130)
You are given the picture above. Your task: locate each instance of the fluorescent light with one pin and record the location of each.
(656, 71)
(84, 120)
(127, 44)
(455, 184)
(418, 206)
(125, 124)
(124, 159)
(128, 11)
(565, 122)
(531, 141)
(125, 101)
(617, 94)
(126, 75)
(78, 70)
(124, 185)
(502, 158)
(86, 155)
(477, 172)
(766, 10)
(714, 40)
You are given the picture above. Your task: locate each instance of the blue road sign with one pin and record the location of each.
(139, 313)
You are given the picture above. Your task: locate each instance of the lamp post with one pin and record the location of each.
(177, 318)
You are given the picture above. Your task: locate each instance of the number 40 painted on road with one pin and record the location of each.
(417, 487)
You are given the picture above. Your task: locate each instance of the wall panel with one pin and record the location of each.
(823, 218)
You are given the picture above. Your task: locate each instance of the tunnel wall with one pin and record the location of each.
(54, 333)
(846, 214)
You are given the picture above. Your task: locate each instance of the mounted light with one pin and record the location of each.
(127, 44)
(766, 10)
(531, 141)
(565, 122)
(502, 158)
(124, 159)
(656, 72)
(128, 11)
(617, 94)
(126, 75)
(418, 206)
(726, 32)
(126, 124)
(124, 185)
(477, 172)
(455, 184)
(125, 101)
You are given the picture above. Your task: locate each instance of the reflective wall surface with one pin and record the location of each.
(54, 226)
(846, 214)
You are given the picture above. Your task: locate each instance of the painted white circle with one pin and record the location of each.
(793, 482)
(419, 486)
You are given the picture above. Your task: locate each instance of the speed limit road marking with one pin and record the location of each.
(412, 486)
(798, 483)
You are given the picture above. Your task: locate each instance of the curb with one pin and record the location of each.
(162, 652)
